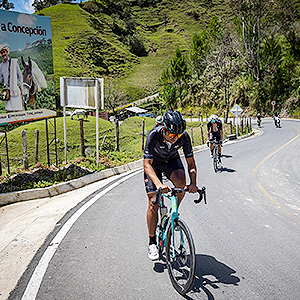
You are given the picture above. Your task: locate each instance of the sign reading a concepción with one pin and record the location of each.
(26, 67)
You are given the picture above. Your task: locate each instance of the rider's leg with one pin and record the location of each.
(152, 214)
(211, 145)
(219, 152)
(179, 181)
(219, 149)
(152, 217)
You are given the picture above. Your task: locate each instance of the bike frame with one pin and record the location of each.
(172, 216)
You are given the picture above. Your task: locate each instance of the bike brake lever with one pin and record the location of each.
(202, 194)
(158, 195)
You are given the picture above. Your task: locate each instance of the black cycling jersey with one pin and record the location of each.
(210, 125)
(162, 151)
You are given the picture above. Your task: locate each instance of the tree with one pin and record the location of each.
(174, 80)
(6, 5)
(114, 98)
(286, 17)
(200, 48)
(248, 19)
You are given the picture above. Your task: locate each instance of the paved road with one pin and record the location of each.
(247, 237)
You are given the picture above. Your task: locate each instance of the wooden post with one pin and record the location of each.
(202, 134)
(242, 125)
(117, 131)
(82, 137)
(192, 136)
(230, 126)
(6, 142)
(47, 143)
(36, 146)
(143, 133)
(24, 143)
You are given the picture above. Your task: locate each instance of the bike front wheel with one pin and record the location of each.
(181, 257)
(215, 160)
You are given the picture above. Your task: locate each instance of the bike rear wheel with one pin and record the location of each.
(181, 257)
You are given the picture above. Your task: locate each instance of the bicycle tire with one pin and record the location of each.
(182, 267)
(215, 159)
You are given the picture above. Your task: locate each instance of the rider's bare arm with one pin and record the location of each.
(151, 174)
(192, 170)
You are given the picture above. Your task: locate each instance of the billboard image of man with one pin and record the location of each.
(10, 73)
(27, 63)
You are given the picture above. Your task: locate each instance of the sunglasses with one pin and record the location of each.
(174, 135)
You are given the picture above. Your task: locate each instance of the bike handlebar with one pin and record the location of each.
(174, 191)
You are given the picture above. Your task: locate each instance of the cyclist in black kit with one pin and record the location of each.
(215, 131)
(161, 156)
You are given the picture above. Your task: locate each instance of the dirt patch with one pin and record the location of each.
(42, 177)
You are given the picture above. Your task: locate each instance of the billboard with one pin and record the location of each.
(26, 66)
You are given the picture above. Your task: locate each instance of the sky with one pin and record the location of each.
(25, 6)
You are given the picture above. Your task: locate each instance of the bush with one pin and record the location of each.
(136, 44)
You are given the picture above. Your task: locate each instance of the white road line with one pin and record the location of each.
(40, 270)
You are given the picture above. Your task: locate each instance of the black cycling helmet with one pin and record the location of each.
(174, 122)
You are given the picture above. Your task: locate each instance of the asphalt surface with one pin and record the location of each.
(247, 236)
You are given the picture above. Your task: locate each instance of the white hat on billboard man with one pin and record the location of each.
(9, 68)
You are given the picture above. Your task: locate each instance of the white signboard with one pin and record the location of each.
(81, 92)
(236, 110)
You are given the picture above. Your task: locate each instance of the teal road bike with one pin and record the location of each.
(176, 239)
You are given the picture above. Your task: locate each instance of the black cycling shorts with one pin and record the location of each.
(166, 168)
(215, 135)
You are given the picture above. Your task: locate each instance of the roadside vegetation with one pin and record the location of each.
(77, 165)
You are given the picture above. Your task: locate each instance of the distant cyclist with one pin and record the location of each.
(215, 131)
(276, 119)
(258, 118)
(161, 156)
(159, 121)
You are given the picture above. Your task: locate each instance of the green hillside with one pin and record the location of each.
(134, 41)
(91, 39)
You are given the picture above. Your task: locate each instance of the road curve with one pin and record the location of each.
(247, 236)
